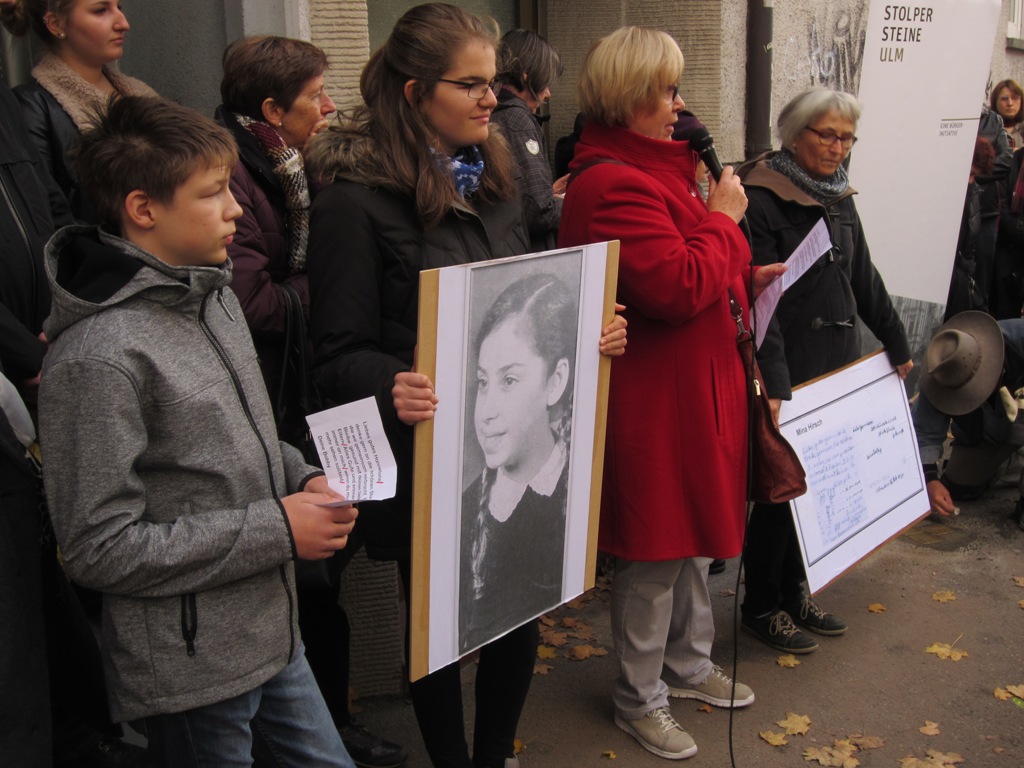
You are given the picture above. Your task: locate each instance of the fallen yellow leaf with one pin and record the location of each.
(569, 621)
(946, 651)
(822, 754)
(584, 652)
(929, 728)
(548, 621)
(944, 597)
(542, 669)
(944, 758)
(844, 747)
(876, 608)
(1016, 690)
(557, 639)
(773, 738)
(1002, 694)
(1019, 581)
(866, 742)
(583, 632)
(832, 757)
(546, 652)
(518, 746)
(1020, 604)
(609, 754)
(789, 660)
(705, 708)
(728, 593)
(795, 724)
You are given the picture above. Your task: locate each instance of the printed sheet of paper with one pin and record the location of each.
(853, 433)
(354, 451)
(809, 251)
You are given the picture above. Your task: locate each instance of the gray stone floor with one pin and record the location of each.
(876, 680)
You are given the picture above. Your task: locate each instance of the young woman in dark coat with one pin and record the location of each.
(416, 179)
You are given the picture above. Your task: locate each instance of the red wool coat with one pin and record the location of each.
(675, 458)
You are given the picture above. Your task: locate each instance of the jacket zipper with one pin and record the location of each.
(23, 231)
(244, 401)
(189, 622)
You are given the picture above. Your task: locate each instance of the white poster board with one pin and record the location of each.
(853, 433)
(487, 555)
(922, 86)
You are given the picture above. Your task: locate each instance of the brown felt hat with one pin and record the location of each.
(963, 363)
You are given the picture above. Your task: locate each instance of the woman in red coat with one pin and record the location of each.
(675, 464)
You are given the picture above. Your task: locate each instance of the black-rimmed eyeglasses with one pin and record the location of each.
(473, 90)
(827, 138)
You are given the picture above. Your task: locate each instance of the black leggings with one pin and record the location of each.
(772, 563)
(502, 681)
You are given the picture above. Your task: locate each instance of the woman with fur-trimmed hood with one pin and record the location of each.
(416, 179)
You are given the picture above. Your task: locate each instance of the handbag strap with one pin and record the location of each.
(742, 334)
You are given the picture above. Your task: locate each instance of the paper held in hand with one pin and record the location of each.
(355, 452)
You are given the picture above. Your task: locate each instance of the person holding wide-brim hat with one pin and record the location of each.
(973, 372)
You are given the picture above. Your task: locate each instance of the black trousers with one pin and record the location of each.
(771, 560)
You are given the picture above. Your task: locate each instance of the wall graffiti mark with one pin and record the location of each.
(835, 49)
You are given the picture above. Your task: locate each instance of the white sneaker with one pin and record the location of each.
(658, 732)
(717, 690)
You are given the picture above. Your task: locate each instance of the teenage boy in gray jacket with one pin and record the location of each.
(169, 490)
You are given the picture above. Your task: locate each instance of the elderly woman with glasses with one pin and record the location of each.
(675, 461)
(814, 330)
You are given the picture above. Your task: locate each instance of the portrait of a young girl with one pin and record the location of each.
(519, 400)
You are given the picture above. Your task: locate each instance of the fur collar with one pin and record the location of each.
(346, 152)
(79, 99)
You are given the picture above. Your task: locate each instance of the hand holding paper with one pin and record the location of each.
(354, 452)
(809, 251)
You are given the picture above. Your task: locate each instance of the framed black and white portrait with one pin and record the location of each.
(507, 477)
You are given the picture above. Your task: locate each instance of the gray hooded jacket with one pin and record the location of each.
(164, 475)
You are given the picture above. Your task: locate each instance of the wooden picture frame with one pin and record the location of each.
(486, 521)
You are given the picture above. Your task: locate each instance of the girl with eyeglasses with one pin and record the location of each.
(415, 178)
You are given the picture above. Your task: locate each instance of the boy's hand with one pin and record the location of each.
(318, 531)
(414, 397)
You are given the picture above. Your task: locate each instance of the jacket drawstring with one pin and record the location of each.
(189, 622)
(224, 304)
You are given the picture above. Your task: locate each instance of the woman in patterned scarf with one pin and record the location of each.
(274, 100)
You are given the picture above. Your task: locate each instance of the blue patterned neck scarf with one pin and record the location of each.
(467, 167)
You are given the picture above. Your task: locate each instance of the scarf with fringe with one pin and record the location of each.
(291, 174)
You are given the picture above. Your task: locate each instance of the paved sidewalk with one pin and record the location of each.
(876, 680)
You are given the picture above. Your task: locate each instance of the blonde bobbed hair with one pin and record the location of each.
(626, 73)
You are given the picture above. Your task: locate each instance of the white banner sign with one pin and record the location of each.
(922, 86)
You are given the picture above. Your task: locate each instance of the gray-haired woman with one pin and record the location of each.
(814, 330)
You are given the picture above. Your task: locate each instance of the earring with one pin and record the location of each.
(61, 35)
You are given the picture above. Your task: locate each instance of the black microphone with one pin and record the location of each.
(702, 143)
